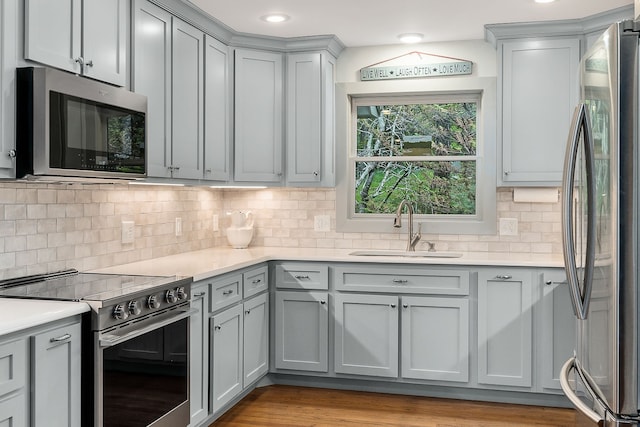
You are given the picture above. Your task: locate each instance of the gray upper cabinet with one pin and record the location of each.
(217, 101)
(310, 119)
(536, 99)
(82, 36)
(168, 69)
(259, 102)
(8, 62)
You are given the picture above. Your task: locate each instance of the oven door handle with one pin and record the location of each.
(109, 340)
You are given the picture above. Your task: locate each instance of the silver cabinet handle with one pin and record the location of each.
(61, 338)
(302, 277)
(89, 63)
(79, 60)
(504, 276)
(323, 302)
(405, 305)
(247, 312)
(227, 292)
(400, 281)
(392, 305)
(217, 327)
(255, 282)
(551, 282)
(199, 295)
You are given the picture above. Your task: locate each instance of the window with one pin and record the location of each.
(431, 148)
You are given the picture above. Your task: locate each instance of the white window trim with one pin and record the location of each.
(484, 222)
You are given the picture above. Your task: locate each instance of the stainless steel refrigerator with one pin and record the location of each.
(600, 204)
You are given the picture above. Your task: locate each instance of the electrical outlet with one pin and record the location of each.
(178, 227)
(216, 223)
(128, 232)
(508, 226)
(322, 223)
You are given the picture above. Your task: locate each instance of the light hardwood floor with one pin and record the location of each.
(305, 407)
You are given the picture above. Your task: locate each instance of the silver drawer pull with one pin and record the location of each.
(503, 276)
(323, 302)
(401, 281)
(299, 277)
(405, 305)
(61, 338)
(247, 312)
(227, 292)
(255, 282)
(551, 282)
(392, 305)
(199, 295)
(217, 327)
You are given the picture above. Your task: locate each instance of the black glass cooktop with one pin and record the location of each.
(70, 285)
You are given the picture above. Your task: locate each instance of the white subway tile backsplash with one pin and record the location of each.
(44, 227)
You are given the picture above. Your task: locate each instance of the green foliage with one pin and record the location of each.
(434, 187)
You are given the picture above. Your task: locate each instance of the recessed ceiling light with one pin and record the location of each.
(544, 1)
(275, 17)
(410, 37)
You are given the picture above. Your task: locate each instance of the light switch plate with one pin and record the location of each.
(178, 227)
(216, 223)
(508, 226)
(128, 232)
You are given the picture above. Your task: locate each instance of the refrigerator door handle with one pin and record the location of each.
(570, 365)
(580, 300)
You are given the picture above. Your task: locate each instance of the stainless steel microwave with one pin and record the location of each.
(68, 125)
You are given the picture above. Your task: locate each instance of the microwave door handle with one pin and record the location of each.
(580, 123)
(569, 366)
(109, 340)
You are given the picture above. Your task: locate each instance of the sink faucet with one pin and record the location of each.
(413, 239)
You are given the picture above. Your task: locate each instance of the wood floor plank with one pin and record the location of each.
(288, 406)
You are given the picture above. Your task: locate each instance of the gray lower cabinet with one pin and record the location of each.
(302, 330)
(366, 334)
(556, 328)
(505, 322)
(199, 353)
(256, 339)
(13, 382)
(55, 376)
(226, 356)
(435, 338)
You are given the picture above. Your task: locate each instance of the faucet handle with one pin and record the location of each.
(432, 246)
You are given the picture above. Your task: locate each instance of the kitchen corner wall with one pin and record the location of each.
(49, 227)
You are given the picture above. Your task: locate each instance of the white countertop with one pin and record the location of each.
(19, 314)
(215, 261)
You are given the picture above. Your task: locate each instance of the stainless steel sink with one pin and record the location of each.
(416, 254)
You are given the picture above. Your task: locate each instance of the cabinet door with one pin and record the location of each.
(435, 338)
(256, 338)
(199, 354)
(55, 377)
(217, 105)
(53, 33)
(302, 331)
(187, 101)
(557, 328)
(366, 335)
(9, 24)
(304, 109)
(539, 93)
(226, 356)
(13, 412)
(13, 375)
(310, 119)
(104, 40)
(258, 116)
(504, 327)
(152, 77)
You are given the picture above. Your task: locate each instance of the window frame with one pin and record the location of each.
(481, 90)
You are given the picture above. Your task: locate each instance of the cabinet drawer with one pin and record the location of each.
(12, 366)
(226, 291)
(407, 279)
(255, 281)
(302, 276)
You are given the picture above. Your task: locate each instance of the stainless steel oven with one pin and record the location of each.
(135, 349)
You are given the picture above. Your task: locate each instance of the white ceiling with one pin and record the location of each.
(379, 22)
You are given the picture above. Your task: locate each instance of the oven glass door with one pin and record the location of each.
(146, 377)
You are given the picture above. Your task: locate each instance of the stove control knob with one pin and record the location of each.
(152, 302)
(134, 308)
(170, 296)
(120, 313)
(180, 293)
